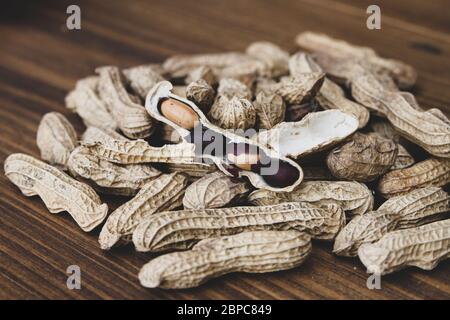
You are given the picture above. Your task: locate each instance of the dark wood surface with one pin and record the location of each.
(40, 60)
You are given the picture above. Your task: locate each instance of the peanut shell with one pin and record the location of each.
(214, 190)
(58, 191)
(56, 138)
(161, 194)
(257, 252)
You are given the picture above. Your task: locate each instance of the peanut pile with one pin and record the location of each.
(332, 120)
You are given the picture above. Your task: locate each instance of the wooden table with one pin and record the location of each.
(40, 60)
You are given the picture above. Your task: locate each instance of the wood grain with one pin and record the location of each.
(40, 60)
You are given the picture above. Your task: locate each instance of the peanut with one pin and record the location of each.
(300, 88)
(270, 110)
(257, 252)
(131, 117)
(271, 55)
(214, 190)
(384, 129)
(86, 102)
(93, 134)
(179, 230)
(404, 75)
(429, 129)
(431, 172)
(202, 73)
(201, 93)
(179, 113)
(107, 177)
(403, 160)
(342, 71)
(423, 247)
(354, 198)
(418, 206)
(232, 88)
(56, 138)
(143, 78)
(163, 193)
(411, 210)
(59, 191)
(286, 176)
(194, 171)
(181, 65)
(330, 95)
(139, 151)
(317, 131)
(234, 113)
(246, 72)
(363, 158)
(297, 112)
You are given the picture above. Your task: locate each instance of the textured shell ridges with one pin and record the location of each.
(214, 190)
(161, 194)
(59, 191)
(256, 252)
(181, 229)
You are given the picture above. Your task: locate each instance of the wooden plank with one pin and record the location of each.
(40, 60)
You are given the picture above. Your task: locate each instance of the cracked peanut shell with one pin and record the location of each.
(139, 151)
(316, 132)
(163, 90)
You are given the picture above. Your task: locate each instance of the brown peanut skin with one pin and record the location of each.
(179, 113)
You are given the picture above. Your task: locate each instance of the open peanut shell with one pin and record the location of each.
(162, 91)
(316, 132)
